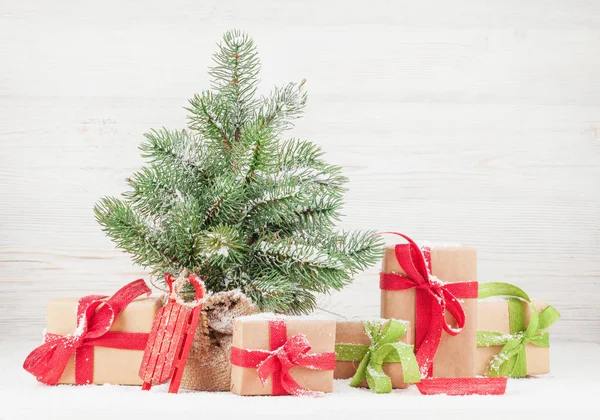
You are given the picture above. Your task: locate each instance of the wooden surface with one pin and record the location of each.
(570, 391)
(463, 121)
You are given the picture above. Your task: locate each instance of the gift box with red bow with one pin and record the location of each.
(435, 289)
(277, 355)
(95, 339)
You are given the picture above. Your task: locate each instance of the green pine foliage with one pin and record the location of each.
(232, 201)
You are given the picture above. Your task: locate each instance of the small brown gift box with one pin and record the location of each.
(353, 332)
(493, 315)
(114, 366)
(253, 332)
(455, 356)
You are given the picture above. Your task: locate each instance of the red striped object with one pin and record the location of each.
(463, 386)
(171, 338)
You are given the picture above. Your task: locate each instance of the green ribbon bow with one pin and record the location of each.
(384, 348)
(511, 361)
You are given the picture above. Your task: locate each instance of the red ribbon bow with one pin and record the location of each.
(283, 356)
(95, 316)
(433, 299)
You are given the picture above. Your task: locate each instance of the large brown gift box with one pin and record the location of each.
(455, 356)
(353, 332)
(493, 315)
(114, 366)
(252, 332)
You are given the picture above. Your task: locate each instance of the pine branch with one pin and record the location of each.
(318, 216)
(226, 199)
(293, 253)
(304, 264)
(282, 106)
(271, 204)
(263, 149)
(296, 153)
(275, 293)
(210, 115)
(355, 250)
(235, 76)
(302, 160)
(174, 148)
(158, 188)
(184, 230)
(134, 234)
(223, 246)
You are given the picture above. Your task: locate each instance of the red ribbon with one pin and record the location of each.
(463, 386)
(433, 299)
(95, 316)
(284, 354)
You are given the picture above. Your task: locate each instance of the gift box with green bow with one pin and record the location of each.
(376, 354)
(512, 339)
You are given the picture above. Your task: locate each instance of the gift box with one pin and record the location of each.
(375, 354)
(435, 289)
(111, 365)
(95, 339)
(512, 340)
(277, 355)
(493, 315)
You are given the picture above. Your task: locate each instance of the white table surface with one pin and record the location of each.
(573, 389)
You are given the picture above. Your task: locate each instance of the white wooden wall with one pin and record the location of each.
(457, 121)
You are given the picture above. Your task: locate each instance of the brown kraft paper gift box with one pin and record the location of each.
(353, 332)
(252, 332)
(455, 356)
(493, 315)
(114, 366)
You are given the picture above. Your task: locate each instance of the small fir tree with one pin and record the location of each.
(232, 201)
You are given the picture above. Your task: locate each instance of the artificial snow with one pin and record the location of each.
(570, 391)
(497, 338)
(436, 281)
(188, 304)
(179, 195)
(223, 251)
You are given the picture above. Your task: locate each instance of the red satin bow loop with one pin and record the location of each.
(433, 299)
(95, 316)
(283, 356)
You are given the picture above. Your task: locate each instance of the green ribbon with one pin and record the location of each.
(384, 348)
(511, 361)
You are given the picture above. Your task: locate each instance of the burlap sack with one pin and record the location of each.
(207, 367)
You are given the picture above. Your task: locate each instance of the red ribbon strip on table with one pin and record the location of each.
(284, 354)
(463, 386)
(95, 316)
(433, 298)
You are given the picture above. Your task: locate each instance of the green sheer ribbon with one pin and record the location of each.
(511, 361)
(384, 348)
